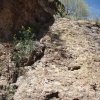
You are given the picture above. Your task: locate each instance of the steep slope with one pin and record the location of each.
(69, 69)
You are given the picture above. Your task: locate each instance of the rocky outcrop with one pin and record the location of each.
(69, 68)
(15, 13)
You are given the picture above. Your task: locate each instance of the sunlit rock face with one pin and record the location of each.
(15, 13)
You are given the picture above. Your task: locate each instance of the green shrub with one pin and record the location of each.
(23, 44)
(25, 34)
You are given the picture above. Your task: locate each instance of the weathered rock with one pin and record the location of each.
(69, 69)
(15, 13)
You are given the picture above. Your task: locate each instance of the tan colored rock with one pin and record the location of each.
(69, 69)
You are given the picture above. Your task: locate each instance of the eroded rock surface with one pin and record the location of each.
(69, 69)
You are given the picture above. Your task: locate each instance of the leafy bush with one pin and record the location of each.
(23, 43)
(25, 34)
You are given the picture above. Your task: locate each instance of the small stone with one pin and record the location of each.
(97, 58)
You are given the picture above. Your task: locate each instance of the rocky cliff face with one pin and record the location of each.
(67, 69)
(15, 13)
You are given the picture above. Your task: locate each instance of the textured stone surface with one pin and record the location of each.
(69, 69)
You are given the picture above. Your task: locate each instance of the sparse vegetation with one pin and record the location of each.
(60, 63)
(23, 44)
(76, 9)
(60, 9)
(97, 21)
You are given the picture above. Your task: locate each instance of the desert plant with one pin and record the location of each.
(60, 11)
(25, 33)
(75, 8)
(23, 44)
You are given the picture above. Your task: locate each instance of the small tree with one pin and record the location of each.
(60, 11)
